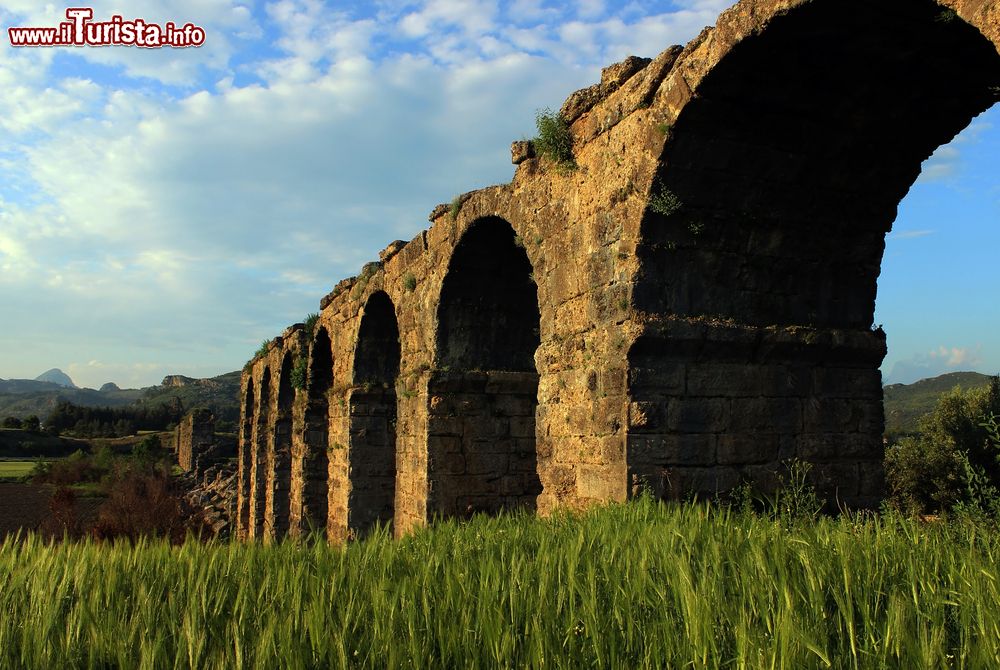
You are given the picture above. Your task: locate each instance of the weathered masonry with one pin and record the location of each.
(689, 307)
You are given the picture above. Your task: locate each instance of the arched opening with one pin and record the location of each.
(763, 240)
(939, 272)
(260, 457)
(280, 455)
(484, 391)
(316, 465)
(246, 459)
(373, 417)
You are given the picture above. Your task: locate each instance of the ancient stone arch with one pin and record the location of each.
(704, 277)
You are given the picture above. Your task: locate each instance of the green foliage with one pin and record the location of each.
(455, 207)
(309, 325)
(367, 272)
(663, 201)
(946, 16)
(642, 585)
(952, 459)
(12, 422)
(262, 349)
(663, 128)
(794, 502)
(554, 140)
(409, 282)
(796, 499)
(300, 373)
(147, 450)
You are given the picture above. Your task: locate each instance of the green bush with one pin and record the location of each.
(300, 372)
(554, 140)
(310, 324)
(410, 282)
(455, 207)
(954, 460)
(663, 201)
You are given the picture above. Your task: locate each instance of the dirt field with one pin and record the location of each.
(23, 506)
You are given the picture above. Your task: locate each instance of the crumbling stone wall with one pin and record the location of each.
(686, 308)
(194, 436)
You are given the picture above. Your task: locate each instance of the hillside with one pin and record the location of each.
(22, 398)
(906, 403)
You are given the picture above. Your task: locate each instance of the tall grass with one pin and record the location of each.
(626, 586)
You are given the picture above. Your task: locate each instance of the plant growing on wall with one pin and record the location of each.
(662, 200)
(300, 373)
(554, 140)
(310, 324)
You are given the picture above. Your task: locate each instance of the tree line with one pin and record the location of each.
(80, 421)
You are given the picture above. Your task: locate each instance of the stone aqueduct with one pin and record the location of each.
(689, 307)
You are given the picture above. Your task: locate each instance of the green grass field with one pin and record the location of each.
(628, 586)
(15, 469)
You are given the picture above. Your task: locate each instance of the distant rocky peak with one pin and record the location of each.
(56, 376)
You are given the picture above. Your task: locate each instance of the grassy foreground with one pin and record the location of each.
(638, 585)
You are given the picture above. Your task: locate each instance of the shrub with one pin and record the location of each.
(309, 325)
(300, 373)
(262, 349)
(455, 207)
(141, 502)
(12, 422)
(410, 282)
(663, 201)
(554, 140)
(954, 460)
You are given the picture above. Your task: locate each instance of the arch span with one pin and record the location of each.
(245, 465)
(762, 241)
(316, 434)
(280, 456)
(373, 414)
(262, 441)
(483, 393)
(692, 305)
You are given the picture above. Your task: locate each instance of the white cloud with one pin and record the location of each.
(183, 225)
(908, 234)
(935, 362)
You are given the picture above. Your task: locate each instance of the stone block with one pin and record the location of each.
(697, 415)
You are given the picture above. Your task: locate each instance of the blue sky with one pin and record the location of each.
(163, 211)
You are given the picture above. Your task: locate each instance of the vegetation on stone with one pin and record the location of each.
(455, 207)
(662, 200)
(554, 140)
(300, 373)
(309, 325)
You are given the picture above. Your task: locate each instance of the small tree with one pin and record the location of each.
(953, 459)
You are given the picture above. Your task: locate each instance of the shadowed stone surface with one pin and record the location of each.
(687, 309)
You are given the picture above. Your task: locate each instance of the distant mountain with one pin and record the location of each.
(56, 376)
(24, 397)
(906, 403)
